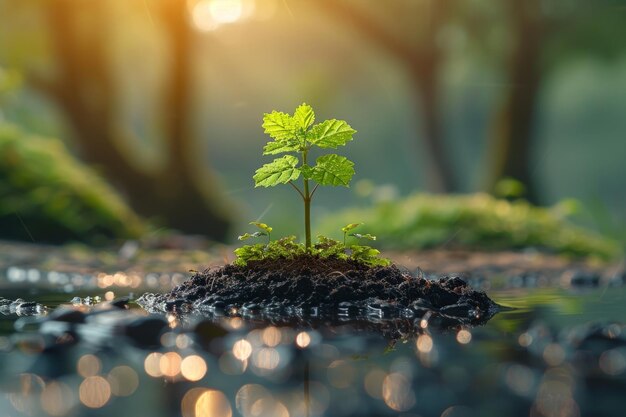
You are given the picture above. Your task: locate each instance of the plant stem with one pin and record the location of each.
(307, 207)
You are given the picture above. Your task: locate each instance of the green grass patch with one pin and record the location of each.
(46, 195)
(474, 221)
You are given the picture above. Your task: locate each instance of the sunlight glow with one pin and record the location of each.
(208, 15)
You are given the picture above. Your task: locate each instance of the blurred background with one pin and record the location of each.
(119, 114)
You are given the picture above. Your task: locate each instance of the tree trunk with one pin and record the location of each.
(425, 72)
(84, 89)
(512, 135)
(422, 59)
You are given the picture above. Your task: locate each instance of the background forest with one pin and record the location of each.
(121, 110)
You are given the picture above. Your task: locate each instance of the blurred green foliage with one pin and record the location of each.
(475, 221)
(46, 195)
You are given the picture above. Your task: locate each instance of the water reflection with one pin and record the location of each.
(542, 359)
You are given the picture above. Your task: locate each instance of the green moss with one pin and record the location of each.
(475, 221)
(288, 248)
(48, 196)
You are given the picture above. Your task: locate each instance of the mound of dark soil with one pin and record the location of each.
(309, 286)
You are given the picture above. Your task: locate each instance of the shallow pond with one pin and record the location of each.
(558, 352)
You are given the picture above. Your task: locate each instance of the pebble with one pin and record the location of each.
(145, 332)
(524, 281)
(21, 307)
(68, 315)
(581, 279)
(206, 331)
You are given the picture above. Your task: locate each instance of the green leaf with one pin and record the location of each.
(307, 171)
(279, 125)
(248, 253)
(368, 256)
(330, 134)
(330, 248)
(280, 146)
(247, 236)
(350, 226)
(262, 226)
(364, 236)
(304, 116)
(333, 170)
(280, 171)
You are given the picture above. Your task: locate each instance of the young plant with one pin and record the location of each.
(351, 226)
(265, 231)
(298, 135)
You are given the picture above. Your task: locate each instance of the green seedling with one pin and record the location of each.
(325, 248)
(298, 135)
(351, 226)
(265, 231)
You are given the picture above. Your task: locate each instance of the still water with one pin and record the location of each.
(557, 352)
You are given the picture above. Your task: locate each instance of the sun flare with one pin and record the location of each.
(210, 14)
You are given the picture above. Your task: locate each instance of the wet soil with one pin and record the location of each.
(309, 286)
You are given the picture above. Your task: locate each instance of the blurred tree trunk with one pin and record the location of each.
(84, 89)
(510, 152)
(422, 58)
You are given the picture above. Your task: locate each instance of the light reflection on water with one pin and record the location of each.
(523, 362)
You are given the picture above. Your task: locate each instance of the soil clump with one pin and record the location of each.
(309, 286)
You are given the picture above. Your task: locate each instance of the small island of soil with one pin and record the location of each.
(309, 286)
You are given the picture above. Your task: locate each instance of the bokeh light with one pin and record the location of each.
(29, 385)
(247, 396)
(463, 337)
(152, 364)
(242, 349)
(373, 383)
(266, 358)
(213, 403)
(193, 368)
(271, 336)
(88, 365)
(94, 392)
(424, 343)
(303, 339)
(612, 362)
(57, 399)
(124, 381)
(188, 403)
(397, 392)
(170, 364)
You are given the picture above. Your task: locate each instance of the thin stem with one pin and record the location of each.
(307, 207)
(314, 189)
(297, 189)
